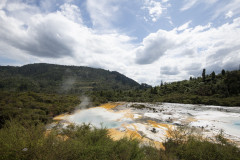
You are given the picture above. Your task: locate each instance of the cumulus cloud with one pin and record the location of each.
(167, 70)
(189, 51)
(154, 46)
(61, 37)
(59, 34)
(72, 12)
(45, 35)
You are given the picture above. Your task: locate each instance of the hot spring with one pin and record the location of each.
(152, 122)
(99, 117)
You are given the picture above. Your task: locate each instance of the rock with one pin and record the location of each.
(154, 130)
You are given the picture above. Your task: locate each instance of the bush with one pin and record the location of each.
(185, 145)
(24, 141)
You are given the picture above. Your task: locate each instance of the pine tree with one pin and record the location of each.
(161, 83)
(213, 75)
(223, 72)
(204, 75)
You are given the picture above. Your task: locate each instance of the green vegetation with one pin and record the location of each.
(34, 107)
(186, 144)
(26, 141)
(31, 142)
(102, 86)
(222, 89)
(49, 78)
(195, 149)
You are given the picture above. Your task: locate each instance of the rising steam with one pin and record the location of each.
(85, 103)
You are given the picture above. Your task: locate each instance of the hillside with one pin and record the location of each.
(52, 78)
(103, 86)
(222, 89)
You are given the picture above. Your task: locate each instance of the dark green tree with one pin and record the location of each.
(204, 75)
(161, 83)
(213, 76)
(154, 90)
(223, 72)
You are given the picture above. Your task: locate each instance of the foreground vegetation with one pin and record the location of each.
(20, 140)
(34, 107)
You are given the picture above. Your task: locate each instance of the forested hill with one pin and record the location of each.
(52, 78)
(102, 85)
(221, 89)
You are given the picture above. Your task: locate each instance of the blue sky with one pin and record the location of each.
(147, 40)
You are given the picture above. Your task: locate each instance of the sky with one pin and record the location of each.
(147, 40)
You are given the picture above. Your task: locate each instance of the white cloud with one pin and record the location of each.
(102, 13)
(3, 3)
(191, 3)
(155, 9)
(168, 70)
(165, 1)
(229, 14)
(222, 8)
(19, 10)
(225, 7)
(186, 53)
(184, 26)
(188, 4)
(72, 12)
(59, 38)
(154, 46)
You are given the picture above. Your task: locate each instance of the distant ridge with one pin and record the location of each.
(61, 78)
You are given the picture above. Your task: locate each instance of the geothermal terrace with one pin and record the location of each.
(153, 123)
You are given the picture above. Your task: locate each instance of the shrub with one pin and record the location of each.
(24, 141)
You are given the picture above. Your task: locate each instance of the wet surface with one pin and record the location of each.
(151, 124)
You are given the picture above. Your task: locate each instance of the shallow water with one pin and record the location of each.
(98, 117)
(237, 125)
